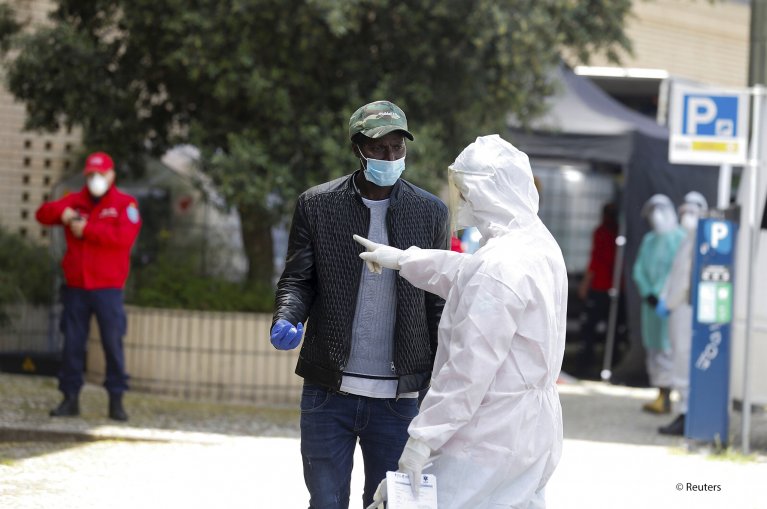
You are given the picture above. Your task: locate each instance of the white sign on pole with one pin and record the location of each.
(708, 126)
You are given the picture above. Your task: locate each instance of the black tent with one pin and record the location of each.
(584, 123)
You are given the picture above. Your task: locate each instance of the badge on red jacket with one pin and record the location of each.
(133, 215)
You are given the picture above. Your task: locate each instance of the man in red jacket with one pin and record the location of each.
(594, 289)
(101, 224)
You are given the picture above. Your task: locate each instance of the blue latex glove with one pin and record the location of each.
(285, 336)
(661, 309)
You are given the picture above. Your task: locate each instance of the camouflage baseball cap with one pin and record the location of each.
(378, 119)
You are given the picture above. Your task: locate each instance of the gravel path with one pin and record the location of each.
(202, 455)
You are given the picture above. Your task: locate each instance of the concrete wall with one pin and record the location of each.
(696, 39)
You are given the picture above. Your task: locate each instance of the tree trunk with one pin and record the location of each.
(257, 239)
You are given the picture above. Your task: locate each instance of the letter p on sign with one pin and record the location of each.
(702, 111)
(719, 232)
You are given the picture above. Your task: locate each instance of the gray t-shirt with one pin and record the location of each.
(370, 371)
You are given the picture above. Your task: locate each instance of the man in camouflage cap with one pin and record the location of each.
(370, 339)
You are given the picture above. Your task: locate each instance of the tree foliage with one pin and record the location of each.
(265, 87)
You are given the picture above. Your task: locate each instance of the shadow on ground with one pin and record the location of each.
(602, 412)
(592, 411)
(25, 401)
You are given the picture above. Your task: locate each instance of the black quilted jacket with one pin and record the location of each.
(322, 275)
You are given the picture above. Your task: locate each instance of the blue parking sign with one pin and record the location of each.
(710, 115)
(708, 127)
(711, 292)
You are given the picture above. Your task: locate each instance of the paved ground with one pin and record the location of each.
(192, 455)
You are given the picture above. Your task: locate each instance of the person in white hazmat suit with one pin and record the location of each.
(674, 302)
(491, 422)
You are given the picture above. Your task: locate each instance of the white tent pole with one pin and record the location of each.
(723, 193)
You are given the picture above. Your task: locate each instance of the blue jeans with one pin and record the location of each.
(78, 307)
(331, 423)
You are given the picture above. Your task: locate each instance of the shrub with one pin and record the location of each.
(26, 272)
(174, 283)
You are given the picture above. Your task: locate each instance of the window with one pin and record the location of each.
(571, 199)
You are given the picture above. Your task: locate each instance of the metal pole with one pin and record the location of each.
(614, 292)
(754, 163)
(725, 180)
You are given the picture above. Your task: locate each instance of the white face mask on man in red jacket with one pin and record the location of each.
(99, 183)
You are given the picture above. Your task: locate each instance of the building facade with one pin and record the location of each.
(30, 163)
(699, 40)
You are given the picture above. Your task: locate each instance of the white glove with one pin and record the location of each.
(414, 457)
(381, 495)
(379, 255)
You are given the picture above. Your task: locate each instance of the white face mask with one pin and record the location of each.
(689, 221)
(662, 220)
(98, 185)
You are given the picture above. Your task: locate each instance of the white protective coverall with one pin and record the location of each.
(676, 298)
(492, 417)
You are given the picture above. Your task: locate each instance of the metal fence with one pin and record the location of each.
(194, 355)
(28, 329)
(200, 355)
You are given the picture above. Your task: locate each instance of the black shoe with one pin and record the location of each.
(70, 407)
(676, 427)
(116, 410)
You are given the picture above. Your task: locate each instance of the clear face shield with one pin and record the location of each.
(688, 216)
(460, 212)
(663, 219)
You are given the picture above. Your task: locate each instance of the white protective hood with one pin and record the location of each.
(660, 213)
(495, 198)
(492, 416)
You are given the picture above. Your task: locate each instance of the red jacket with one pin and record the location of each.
(101, 258)
(603, 257)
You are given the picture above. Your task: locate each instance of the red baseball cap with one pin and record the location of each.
(98, 162)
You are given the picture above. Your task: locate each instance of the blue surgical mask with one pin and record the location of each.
(383, 173)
